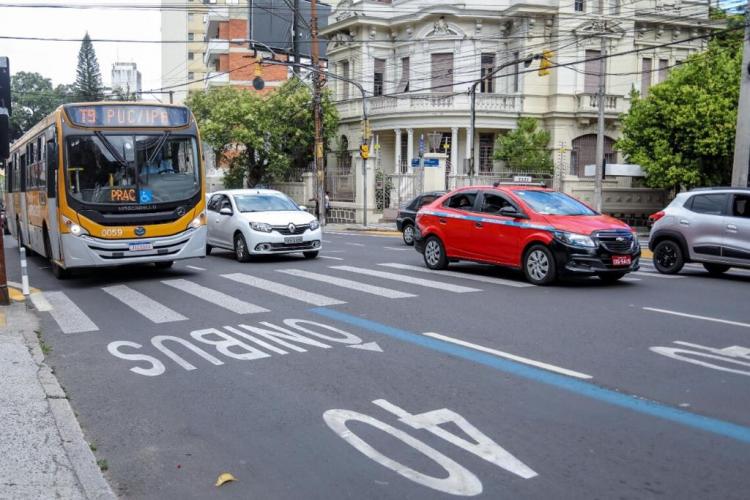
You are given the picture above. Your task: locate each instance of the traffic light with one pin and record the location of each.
(258, 82)
(364, 151)
(546, 63)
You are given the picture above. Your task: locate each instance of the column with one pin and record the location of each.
(409, 147)
(454, 151)
(464, 171)
(397, 153)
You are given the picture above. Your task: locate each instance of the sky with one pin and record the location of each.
(58, 60)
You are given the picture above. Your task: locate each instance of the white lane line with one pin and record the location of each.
(407, 279)
(657, 275)
(196, 268)
(215, 297)
(143, 305)
(329, 257)
(355, 244)
(506, 355)
(335, 251)
(456, 274)
(629, 280)
(285, 290)
(40, 303)
(68, 315)
(695, 316)
(345, 283)
(398, 249)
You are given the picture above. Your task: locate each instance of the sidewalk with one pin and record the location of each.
(43, 453)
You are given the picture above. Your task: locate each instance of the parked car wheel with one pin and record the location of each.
(310, 255)
(668, 258)
(716, 268)
(539, 265)
(408, 234)
(611, 277)
(434, 254)
(240, 248)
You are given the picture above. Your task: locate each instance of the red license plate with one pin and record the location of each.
(621, 260)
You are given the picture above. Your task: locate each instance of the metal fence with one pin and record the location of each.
(393, 191)
(341, 182)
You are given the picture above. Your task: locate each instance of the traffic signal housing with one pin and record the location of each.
(546, 63)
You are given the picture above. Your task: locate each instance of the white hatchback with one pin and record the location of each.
(260, 222)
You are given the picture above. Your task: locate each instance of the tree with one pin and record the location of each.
(683, 133)
(33, 99)
(525, 148)
(88, 85)
(260, 137)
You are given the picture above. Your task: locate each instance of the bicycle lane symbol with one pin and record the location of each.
(735, 355)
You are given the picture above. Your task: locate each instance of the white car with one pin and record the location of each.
(260, 222)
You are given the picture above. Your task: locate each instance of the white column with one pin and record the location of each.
(397, 153)
(409, 147)
(454, 150)
(468, 150)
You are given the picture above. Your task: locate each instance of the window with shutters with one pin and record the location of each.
(403, 83)
(663, 69)
(344, 84)
(593, 72)
(378, 77)
(645, 76)
(488, 66)
(442, 73)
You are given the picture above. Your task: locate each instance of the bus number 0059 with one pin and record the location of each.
(111, 232)
(460, 481)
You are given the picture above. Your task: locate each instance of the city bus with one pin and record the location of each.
(109, 184)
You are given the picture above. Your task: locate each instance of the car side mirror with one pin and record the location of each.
(226, 211)
(507, 211)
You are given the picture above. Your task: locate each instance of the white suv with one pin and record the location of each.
(710, 226)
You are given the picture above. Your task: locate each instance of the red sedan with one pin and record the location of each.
(545, 233)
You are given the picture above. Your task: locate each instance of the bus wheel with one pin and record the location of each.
(164, 264)
(58, 271)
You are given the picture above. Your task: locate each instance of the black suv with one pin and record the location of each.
(408, 214)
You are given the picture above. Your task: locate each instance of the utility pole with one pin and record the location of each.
(742, 137)
(599, 172)
(250, 24)
(5, 111)
(295, 35)
(317, 83)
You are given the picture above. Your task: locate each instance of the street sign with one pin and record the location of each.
(421, 145)
(426, 162)
(364, 151)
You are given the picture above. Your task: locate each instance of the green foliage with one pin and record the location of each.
(525, 148)
(683, 133)
(33, 99)
(261, 137)
(88, 85)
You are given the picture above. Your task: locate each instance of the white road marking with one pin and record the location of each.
(329, 257)
(407, 279)
(355, 244)
(143, 305)
(398, 249)
(284, 290)
(40, 303)
(196, 268)
(630, 279)
(657, 275)
(345, 283)
(694, 316)
(367, 346)
(68, 315)
(215, 297)
(456, 274)
(513, 357)
(335, 251)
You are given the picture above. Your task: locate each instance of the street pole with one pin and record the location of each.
(5, 111)
(472, 131)
(319, 167)
(4, 297)
(250, 24)
(742, 137)
(599, 171)
(295, 34)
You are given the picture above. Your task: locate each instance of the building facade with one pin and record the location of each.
(126, 79)
(417, 61)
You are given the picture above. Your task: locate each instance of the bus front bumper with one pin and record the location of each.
(87, 251)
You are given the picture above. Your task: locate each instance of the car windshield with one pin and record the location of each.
(553, 203)
(264, 203)
(115, 169)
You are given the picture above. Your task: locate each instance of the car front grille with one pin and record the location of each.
(615, 241)
(286, 232)
(283, 247)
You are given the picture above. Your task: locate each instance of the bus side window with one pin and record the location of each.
(22, 174)
(51, 169)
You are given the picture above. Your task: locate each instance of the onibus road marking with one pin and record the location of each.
(456, 274)
(345, 283)
(284, 290)
(215, 297)
(144, 305)
(583, 388)
(68, 315)
(735, 355)
(407, 279)
(695, 316)
(520, 359)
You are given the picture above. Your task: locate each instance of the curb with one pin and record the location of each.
(82, 459)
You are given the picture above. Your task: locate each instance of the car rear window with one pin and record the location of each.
(710, 204)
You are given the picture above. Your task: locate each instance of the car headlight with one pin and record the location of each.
(314, 225)
(261, 227)
(575, 239)
(74, 228)
(198, 221)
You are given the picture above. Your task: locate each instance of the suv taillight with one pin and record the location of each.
(655, 217)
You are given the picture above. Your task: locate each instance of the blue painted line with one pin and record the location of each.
(630, 402)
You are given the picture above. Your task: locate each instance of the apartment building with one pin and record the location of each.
(126, 79)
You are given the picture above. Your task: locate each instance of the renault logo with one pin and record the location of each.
(140, 231)
(291, 227)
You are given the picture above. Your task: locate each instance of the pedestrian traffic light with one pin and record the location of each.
(546, 62)
(364, 151)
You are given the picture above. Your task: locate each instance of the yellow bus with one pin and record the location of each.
(108, 184)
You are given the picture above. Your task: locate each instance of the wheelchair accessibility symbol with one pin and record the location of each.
(145, 196)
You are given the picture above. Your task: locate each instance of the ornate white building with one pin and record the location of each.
(417, 60)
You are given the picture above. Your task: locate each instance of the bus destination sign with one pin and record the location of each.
(103, 115)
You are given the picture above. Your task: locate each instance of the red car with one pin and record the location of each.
(546, 233)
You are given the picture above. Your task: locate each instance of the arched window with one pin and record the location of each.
(584, 153)
(344, 156)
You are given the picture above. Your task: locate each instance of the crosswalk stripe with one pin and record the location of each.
(657, 275)
(67, 315)
(195, 268)
(40, 302)
(456, 274)
(330, 258)
(215, 297)
(285, 290)
(143, 305)
(407, 279)
(345, 283)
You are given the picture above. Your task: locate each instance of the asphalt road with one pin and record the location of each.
(361, 375)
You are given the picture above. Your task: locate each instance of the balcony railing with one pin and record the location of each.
(589, 103)
(431, 103)
(214, 47)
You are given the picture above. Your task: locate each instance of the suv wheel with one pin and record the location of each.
(434, 254)
(408, 234)
(539, 265)
(716, 268)
(668, 258)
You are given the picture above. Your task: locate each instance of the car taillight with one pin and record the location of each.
(655, 217)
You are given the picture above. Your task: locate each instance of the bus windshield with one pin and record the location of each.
(141, 169)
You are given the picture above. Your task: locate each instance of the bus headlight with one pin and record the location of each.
(74, 228)
(198, 221)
